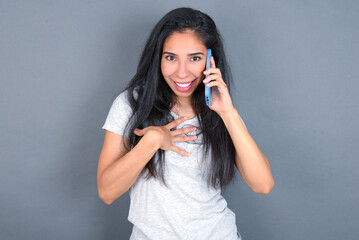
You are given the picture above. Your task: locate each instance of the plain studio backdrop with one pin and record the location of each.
(295, 67)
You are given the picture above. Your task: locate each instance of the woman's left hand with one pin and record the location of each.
(221, 101)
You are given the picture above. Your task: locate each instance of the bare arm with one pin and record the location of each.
(118, 169)
(119, 176)
(250, 161)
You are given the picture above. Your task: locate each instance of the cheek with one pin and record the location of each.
(166, 69)
(198, 70)
(163, 68)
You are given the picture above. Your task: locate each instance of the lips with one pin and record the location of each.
(183, 84)
(183, 87)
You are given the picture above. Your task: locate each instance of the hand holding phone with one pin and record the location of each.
(207, 90)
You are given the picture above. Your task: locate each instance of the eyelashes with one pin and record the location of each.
(198, 59)
(193, 59)
(170, 58)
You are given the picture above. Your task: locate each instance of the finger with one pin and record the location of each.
(183, 131)
(214, 83)
(138, 132)
(211, 78)
(180, 151)
(212, 71)
(184, 138)
(176, 122)
(213, 64)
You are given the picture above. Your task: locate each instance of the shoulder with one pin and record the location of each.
(124, 96)
(122, 99)
(120, 106)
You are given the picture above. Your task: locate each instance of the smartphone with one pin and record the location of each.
(207, 90)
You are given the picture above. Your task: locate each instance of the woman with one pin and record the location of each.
(171, 151)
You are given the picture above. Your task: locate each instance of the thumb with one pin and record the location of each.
(138, 132)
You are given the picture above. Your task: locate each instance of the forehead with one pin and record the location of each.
(183, 42)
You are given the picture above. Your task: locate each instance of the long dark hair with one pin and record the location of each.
(151, 98)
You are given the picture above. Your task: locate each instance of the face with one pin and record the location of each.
(183, 62)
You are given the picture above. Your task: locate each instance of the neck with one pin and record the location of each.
(184, 102)
(183, 107)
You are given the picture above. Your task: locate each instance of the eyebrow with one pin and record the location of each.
(191, 54)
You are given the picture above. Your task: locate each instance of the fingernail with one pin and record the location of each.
(185, 118)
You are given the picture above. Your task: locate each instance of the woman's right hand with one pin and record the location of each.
(165, 137)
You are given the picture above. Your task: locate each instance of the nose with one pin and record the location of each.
(182, 71)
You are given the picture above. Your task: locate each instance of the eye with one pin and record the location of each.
(196, 59)
(170, 58)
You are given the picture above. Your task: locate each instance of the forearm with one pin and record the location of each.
(122, 174)
(250, 161)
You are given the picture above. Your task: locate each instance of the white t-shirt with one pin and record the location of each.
(187, 209)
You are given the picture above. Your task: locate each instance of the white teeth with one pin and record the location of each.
(183, 85)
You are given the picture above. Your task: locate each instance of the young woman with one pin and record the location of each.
(172, 152)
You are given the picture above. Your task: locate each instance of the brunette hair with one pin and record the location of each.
(151, 98)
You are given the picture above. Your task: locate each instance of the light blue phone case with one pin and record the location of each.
(207, 90)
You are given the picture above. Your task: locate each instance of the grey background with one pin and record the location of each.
(62, 63)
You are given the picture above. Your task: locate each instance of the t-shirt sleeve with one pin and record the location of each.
(118, 116)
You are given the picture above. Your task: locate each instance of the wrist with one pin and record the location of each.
(152, 138)
(229, 113)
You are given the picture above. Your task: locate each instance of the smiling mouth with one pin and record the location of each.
(184, 84)
(184, 87)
